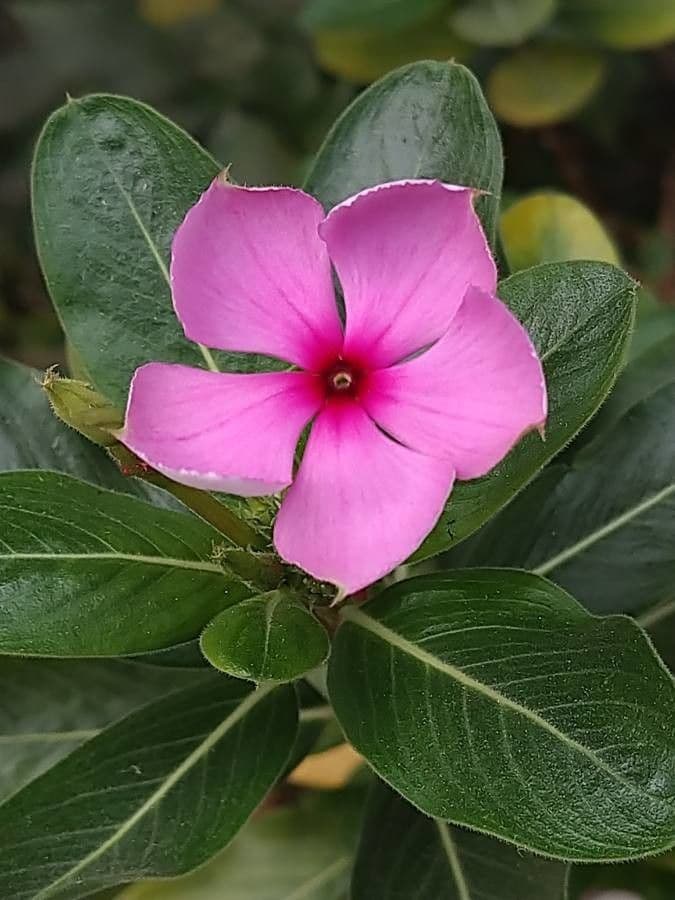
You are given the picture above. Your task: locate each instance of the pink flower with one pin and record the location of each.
(431, 378)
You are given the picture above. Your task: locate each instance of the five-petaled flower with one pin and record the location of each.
(431, 378)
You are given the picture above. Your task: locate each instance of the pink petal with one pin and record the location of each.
(249, 273)
(360, 503)
(405, 253)
(233, 433)
(469, 398)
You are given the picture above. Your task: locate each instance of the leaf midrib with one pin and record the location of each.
(454, 862)
(374, 626)
(167, 784)
(604, 531)
(154, 250)
(169, 561)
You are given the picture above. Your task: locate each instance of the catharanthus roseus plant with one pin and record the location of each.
(433, 377)
(289, 425)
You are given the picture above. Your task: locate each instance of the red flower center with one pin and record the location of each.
(342, 379)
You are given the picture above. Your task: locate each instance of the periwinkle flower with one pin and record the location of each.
(431, 378)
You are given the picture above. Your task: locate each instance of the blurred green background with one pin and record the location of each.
(584, 90)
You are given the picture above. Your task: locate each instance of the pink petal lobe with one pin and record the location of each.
(250, 273)
(471, 396)
(360, 503)
(405, 254)
(232, 433)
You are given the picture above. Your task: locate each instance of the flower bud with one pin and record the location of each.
(77, 404)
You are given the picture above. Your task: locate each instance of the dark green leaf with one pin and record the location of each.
(85, 572)
(404, 855)
(602, 524)
(50, 706)
(579, 316)
(155, 795)
(31, 437)
(426, 120)
(492, 699)
(301, 852)
(368, 13)
(500, 22)
(112, 180)
(271, 637)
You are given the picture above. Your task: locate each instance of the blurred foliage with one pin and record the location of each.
(552, 227)
(260, 81)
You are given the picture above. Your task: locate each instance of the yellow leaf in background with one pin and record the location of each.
(329, 770)
(553, 227)
(364, 55)
(626, 24)
(169, 12)
(541, 85)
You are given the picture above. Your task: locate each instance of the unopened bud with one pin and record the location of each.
(77, 404)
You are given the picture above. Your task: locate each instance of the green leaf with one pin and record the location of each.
(85, 572)
(579, 316)
(271, 637)
(552, 227)
(541, 85)
(368, 13)
(426, 120)
(363, 55)
(155, 795)
(602, 523)
(49, 707)
(301, 852)
(500, 22)
(621, 23)
(31, 437)
(492, 699)
(112, 180)
(403, 855)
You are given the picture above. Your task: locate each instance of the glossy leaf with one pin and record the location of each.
(50, 706)
(368, 13)
(602, 523)
(271, 637)
(500, 22)
(112, 180)
(155, 795)
(551, 227)
(404, 855)
(426, 120)
(365, 54)
(621, 23)
(492, 699)
(31, 437)
(541, 85)
(579, 316)
(85, 572)
(299, 852)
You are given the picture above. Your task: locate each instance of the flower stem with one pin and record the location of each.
(205, 505)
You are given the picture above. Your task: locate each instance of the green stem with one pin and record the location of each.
(202, 503)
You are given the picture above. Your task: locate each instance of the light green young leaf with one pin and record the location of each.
(492, 699)
(543, 84)
(155, 795)
(498, 23)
